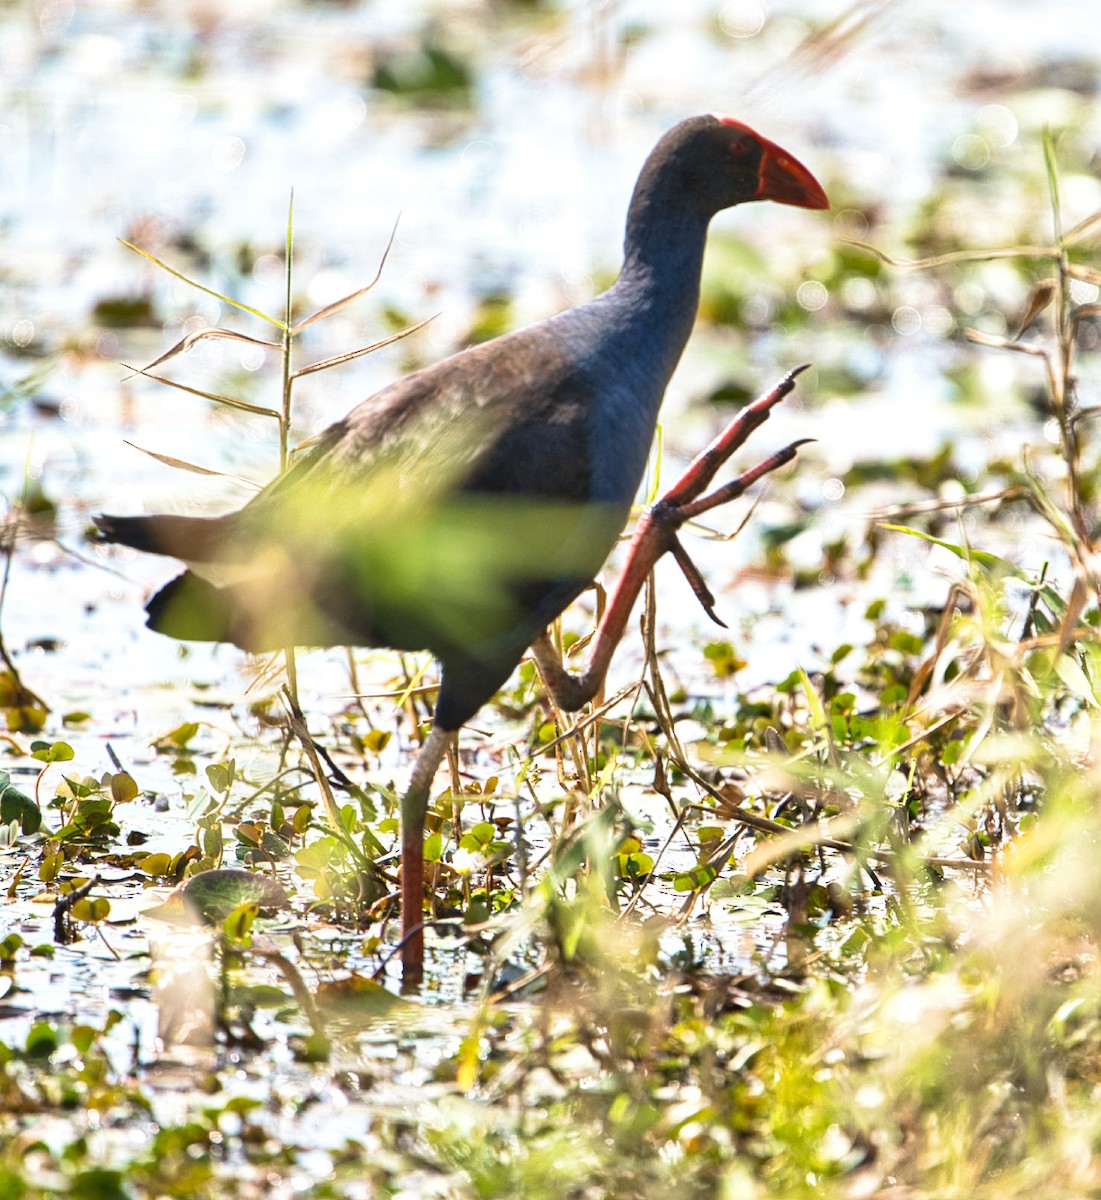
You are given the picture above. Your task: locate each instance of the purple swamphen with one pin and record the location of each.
(462, 508)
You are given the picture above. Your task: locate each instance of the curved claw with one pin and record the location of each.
(696, 581)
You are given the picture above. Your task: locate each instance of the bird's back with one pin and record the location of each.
(453, 511)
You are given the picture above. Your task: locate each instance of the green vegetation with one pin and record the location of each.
(834, 937)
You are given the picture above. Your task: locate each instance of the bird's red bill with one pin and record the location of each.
(783, 178)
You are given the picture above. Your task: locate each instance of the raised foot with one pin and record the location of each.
(657, 531)
(655, 535)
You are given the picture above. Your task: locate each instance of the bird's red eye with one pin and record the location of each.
(739, 148)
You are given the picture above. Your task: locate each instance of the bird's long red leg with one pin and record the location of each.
(414, 806)
(655, 535)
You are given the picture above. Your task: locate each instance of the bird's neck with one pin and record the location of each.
(632, 338)
(660, 281)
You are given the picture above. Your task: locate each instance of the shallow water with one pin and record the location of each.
(186, 128)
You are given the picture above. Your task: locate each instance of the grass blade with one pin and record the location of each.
(990, 562)
(202, 287)
(337, 305)
(1083, 229)
(956, 256)
(185, 343)
(227, 400)
(180, 465)
(335, 361)
(1051, 169)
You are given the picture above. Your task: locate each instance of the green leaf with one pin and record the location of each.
(1074, 679)
(91, 909)
(724, 659)
(9, 946)
(814, 701)
(483, 833)
(182, 734)
(215, 894)
(50, 867)
(952, 753)
(376, 740)
(155, 864)
(694, 880)
(42, 1040)
(83, 1037)
(123, 787)
(18, 806)
(222, 775)
(51, 752)
(98, 1183)
(840, 654)
(237, 926)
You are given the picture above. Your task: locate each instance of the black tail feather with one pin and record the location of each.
(124, 531)
(191, 609)
(193, 539)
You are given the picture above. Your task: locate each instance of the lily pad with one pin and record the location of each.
(211, 896)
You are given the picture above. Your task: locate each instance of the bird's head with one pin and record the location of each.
(717, 162)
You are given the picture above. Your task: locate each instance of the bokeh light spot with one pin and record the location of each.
(743, 18)
(971, 151)
(812, 295)
(906, 320)
(227, 153)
